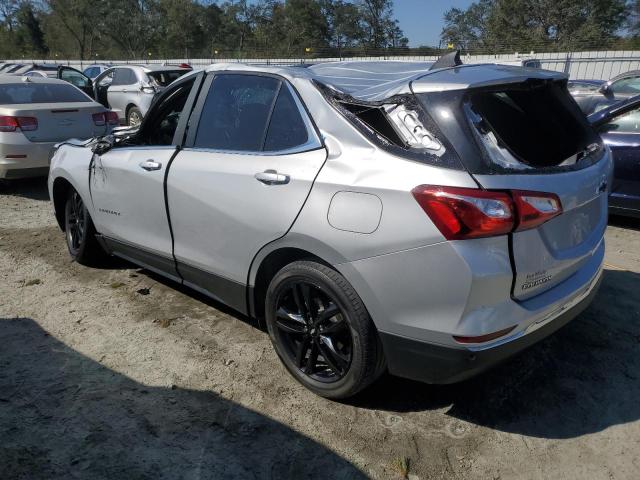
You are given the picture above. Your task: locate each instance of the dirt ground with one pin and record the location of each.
(103, 379)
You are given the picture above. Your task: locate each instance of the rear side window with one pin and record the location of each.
(286, 127)
(162, 79)
(124, 76)
(17, 93)
(235, 113)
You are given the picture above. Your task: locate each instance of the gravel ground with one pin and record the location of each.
(116, 373)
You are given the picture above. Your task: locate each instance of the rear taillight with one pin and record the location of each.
(98, 119)
(112, 118)
(535, 208)
(461, 213)
(101, 119)
(11, 124)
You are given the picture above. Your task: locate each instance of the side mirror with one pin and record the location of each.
(605, 89)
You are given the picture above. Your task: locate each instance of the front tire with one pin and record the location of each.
(80, 232)
(321, 330)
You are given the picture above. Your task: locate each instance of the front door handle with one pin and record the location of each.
(150, 165)
(272, 177)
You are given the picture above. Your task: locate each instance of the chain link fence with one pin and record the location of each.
(596, 65)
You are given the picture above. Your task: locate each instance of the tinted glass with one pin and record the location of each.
(627, 123)
(286, 128)
(74, 78)
(40, 93)
(626, 85)
(162, 79)
(91, 72)
(124, 76)
(235, 112)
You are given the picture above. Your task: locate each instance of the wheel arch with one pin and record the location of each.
(276, 255)
(130, 105)
(59, 191)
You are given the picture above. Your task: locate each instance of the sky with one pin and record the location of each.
(421, 20)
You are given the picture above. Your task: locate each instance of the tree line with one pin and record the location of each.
(134, 29)
(498, 26)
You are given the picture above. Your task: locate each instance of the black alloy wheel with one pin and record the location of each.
(76, 223)
(322, 331)
(314, 331)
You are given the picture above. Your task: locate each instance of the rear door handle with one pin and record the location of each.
(150, 165)
(272, 177)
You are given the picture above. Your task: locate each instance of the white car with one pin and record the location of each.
(35, 114)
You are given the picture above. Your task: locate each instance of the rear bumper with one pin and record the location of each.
(34, 163)
(442, 364)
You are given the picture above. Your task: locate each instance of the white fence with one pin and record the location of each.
(598, 65)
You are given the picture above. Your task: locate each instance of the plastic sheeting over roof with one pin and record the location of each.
(377, 81)
(370, 80)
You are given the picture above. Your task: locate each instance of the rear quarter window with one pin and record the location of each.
(19, 93)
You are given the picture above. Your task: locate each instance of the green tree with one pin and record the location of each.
(29, 34)
(82, 20)
(508, 25)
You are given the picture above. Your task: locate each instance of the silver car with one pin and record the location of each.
(35, 114)
(129, 90)
(428, 220)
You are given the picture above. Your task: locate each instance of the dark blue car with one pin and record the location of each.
(619, 126)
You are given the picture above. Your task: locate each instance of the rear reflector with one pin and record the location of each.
(461, 213)
(535, 208)
(11, 124)
(483, 338)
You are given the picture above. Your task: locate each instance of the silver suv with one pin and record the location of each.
(128, 90)
(428, 220)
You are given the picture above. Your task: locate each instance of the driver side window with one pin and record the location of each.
(162, 120)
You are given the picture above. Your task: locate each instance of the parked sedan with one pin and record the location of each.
(35, 114)
(619, 126)
(428, 220)
(129, 90)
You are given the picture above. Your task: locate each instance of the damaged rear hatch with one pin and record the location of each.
(519, 130)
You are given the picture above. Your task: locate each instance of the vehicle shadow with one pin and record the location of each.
(33, 188)
(630, 223)
(581, 380)
(63, 415)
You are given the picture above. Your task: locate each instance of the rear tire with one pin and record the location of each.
(134, 117)
(321, 330)
(80, 232)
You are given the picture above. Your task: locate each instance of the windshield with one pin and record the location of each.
(20, 93)
(162, 79)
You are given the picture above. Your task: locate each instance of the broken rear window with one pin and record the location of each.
(537, 127)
